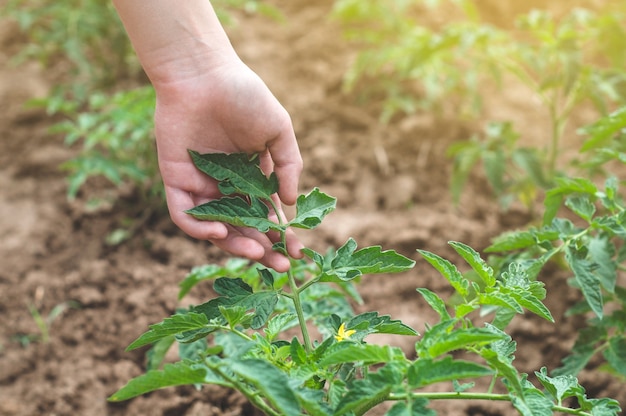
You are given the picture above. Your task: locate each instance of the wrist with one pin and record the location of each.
(175, 40)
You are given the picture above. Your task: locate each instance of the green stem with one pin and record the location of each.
(476, 396)
(295, 292)
(251, 395)
(299, 312)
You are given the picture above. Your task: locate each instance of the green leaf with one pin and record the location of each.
(371, 323)
(312, 208)
(588, 282)
(368, 354)
(559, 387)
(443, 338)
(176, 324)
(426, 371)
(177, 374)
(237, 173)
(279, 323)
(236, 211)
(532, 403)
(584, 349)
(235, 292)
(498, 298)
(604, 129)
(372, 389)
(435, 302)
(511, 241)
(531, 163)
(565, 186)
(348, 264)
(449, 271)
(533, 304)
(615, 354)
(233, 267)
(417, 408)
(484, 271)
(272, 383)
(601, 252)
(298, 354)
(581, 206)
(156, 354)
(234, 314)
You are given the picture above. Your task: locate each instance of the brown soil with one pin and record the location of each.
(392, 187)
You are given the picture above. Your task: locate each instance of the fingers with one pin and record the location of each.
(288, 163)
(178, 201)
(238, 241)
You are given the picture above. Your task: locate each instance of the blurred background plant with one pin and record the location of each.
(441, 55)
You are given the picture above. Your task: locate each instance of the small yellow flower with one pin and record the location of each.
(342, 334)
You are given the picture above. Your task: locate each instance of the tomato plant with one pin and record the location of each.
(257, 335)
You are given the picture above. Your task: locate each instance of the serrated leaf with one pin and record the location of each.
(298, 354)
(279, 323)
(368, 354)
(234, 314)
(532, 403)
(348, 264)
(237, 173)
(272, 383)
(427, 371)
(371, 323)
(533, 304)
(510, 241)
(565, 186)
(177, 374)
(559, 387)
(601, 252)
(581, 206)
(312, 208)
(236, 211)
(373, 388)
(416, 407)
(267, 277)
(604, 129)
(588, 282)
(449, 271)
(471, 256)
(235, 292)
(615, 354)
(233, 267)
(443, 338)
(435, 302)
(176, 324)
(498, 298)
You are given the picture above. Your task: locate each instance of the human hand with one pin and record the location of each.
(227, 109)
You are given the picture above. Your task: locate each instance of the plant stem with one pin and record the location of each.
(254, 398)
(299, 312)
(295, 292)
(476, 396)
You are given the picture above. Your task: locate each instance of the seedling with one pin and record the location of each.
(244, 338)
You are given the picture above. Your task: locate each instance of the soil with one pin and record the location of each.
(391, 183)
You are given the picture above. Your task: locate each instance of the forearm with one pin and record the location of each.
(175, 39)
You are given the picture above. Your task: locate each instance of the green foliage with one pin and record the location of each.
(513, 172)
(590, 243)
(244, 338)
(115, 135)
(86, 34)
(563, 61)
